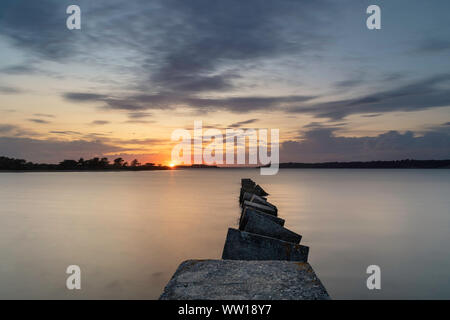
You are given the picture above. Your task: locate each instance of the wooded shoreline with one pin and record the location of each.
(103, 164)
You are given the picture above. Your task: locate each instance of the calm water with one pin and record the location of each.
(128, 231)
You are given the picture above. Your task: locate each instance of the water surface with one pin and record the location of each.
(128, 231)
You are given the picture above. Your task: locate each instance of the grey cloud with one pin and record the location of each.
(16, 131)
(67, 132)
(42, 30)
(140, 121)
(46, 115)
(241, 123)
(139, 103)
(41, 121)
(139, 115)
(245, 104)
(322, 145)
(151, 141)
(212, 34)
(423, 94)
(100, 122)
(19, 69)
(348, 83)
(180, 46)
(9, 90)
(6, 128)
(434, 46)
(373, 115)
(84, 97)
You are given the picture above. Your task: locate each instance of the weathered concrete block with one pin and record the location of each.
(256, 190)
(260, 191)
(254, 223)
(243, 192)
(241, 245)
(247, 196)
(248, 183)
(247, 211)
(244, 280)
(260, 207)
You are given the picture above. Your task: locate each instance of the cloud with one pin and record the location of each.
(175, 47)
(373, 115)
(427, 93)
(9, 90)
(139, 103)
(99, 122)
(6, 128)
(241, 123)
(140, 121)
(19, 69)
(434, 46)
(84, 96)
(67, 132)
(139, 115)
(42, 31)
(209, 36)
(145, 142)
(16, 131)
(45, 115)
(40, 121)
(322, 145)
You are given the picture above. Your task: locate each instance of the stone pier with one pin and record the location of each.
(262, 260)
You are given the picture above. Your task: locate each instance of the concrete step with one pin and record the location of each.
(247, 196)
(254, 223)
(244, 280)
(260, 207)
(243, 219)
(241, 245)
(256, 190)
(248, 183)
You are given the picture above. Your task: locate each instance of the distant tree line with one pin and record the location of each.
(397, 164)
(82, 164)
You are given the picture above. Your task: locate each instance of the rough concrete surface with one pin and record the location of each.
(246, 212)
(241, 245)
(260, 207)
(260, 225)
(239, 280)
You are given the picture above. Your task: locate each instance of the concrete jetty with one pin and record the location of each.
(261, 260)
(244, 280)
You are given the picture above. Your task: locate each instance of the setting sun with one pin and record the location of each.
(172, 165)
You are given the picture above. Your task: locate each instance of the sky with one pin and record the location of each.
(139, 69)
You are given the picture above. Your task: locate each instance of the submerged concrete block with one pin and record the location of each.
(244, 280)
(241, 245)
(248, 211)
(254, 223)
(260, 207)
